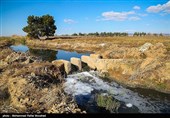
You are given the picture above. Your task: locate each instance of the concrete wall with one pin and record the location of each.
(76, 62)
(67, 65)
(95, 62)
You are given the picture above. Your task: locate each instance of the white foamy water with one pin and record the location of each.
(85, 82)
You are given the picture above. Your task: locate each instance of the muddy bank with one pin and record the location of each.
(30, 85)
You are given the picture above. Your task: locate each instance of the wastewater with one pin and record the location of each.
(98, 95)
(48, 55)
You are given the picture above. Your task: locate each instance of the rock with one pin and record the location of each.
(67, 65)
(90, 61)
(85, 58)
(145, 47)
(60, 65)
(104, 73)
(102, 44)
(4, 52)
(21, 57)
(156, 51)
(101, 64)
(76, 62)
(96, 56)
(32, 74)
(106, 64)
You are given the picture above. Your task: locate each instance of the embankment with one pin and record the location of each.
(133, 62)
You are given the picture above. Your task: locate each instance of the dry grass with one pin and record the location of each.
(126, 41)
(5, 41)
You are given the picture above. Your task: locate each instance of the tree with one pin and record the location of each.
(81, 34)
(96, 34)
(155, 34)
(74, 34)
(40, 26)
(160, 34)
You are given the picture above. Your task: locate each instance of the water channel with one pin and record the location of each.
(91, 91)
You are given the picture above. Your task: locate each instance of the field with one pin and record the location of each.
(150, 71)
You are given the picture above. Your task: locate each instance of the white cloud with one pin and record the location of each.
(134, 18)
(158, 8)
(69, 21)
(136, 7)
(117, 16)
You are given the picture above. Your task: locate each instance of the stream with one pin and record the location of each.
(85, 85)
(98, 95)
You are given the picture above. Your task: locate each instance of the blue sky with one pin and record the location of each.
(74, 16)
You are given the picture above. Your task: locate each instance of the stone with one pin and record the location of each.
(156, 51)
(59, 64)
(67, 65)
(76, 62)
(28, 61)
(102, 44)
(96, 56)
(101, 64)
(145, 47)
(91, 62)
(85, 59)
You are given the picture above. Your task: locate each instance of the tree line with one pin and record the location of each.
(146, 34)
(101, 34)
(116, 34)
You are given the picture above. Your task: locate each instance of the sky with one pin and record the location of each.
(85, 16)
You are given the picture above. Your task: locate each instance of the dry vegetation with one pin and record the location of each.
(128, 41)
(155, 75)
(131, 41)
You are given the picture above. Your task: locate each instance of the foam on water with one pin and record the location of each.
(129, 105)
(85, 82)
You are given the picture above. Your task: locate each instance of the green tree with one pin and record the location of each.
(160, 34)
(155, 34)
(40, 26)
(74, 34)
(81, 34)
(96, 34)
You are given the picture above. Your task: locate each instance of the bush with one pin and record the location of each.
(108, 103)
